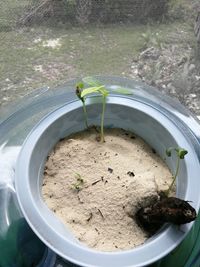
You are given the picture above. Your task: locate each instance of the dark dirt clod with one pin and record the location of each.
(96, 230)
(90, 217)
(154, 151)
(130, 173)
(165, 210)
(98, 138)
(110, 170)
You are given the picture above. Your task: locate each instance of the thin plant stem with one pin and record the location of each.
(102, 119)
(85, 114)
(174, 176)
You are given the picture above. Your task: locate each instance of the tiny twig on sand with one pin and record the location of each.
(96, 181)
(101, 213)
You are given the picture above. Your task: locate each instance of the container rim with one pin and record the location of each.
(169, 238)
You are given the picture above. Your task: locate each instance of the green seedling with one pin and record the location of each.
(93, 82)
(79, 182)
(101, 90)
(96, 87)
(180, 153)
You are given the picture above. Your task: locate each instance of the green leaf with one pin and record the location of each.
(169, 151)
(181, 152)
(92, 81)
(90, 90)
(103, 91)
(123, 91)
(80, 85)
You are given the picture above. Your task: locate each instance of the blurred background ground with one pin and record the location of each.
(47, 42)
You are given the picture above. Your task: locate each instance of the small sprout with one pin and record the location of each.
(96, 87)
(79, 182)
(180, 153)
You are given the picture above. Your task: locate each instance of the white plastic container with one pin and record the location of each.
(156, 126)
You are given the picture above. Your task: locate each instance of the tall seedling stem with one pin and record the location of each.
(85, 114)
(102, 119)
(96, 87)
(79, 88)
(180, 153)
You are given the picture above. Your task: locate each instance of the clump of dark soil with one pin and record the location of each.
(161, 209)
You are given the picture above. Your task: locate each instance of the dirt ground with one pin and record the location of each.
(160, 54)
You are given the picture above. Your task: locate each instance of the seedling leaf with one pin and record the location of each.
(92, 81)
(80, 85)
(181, 152)
(90, 90)
(169, 151)
(103, 91)
(79, 182)
(123, 91)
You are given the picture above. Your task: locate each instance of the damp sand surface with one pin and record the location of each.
(94, 188)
